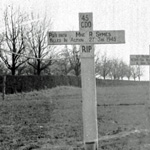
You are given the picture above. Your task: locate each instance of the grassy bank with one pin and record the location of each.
(53, 118)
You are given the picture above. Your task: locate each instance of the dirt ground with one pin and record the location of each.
(52, 119)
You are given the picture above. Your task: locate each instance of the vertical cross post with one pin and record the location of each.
(89, 106)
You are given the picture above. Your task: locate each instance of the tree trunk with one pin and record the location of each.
(13, 68)
(104, 77)
(13, 71)
(139, 78)
(39, 61)
(38, 68)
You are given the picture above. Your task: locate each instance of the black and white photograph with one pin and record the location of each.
(74, 74)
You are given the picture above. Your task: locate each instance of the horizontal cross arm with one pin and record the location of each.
(86, 37)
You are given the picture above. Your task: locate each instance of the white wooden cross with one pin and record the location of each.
(86, 38)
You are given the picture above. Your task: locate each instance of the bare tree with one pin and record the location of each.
(37, 43)
(137, 72)
(128, 72)
(14, 36)
(75, 61)
(71, 60)
(122, 69)
(63, 66)
(103, 66)
(134, 72)
(119, 69)
(140, 72)
(114, 72)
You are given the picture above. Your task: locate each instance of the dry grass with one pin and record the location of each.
(53, 118)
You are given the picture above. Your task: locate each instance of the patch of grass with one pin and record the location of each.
(53, 117)
(22, 120)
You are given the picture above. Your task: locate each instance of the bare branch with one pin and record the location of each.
(37, 42)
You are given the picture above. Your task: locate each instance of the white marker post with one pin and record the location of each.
(86, 37)
(89, 106)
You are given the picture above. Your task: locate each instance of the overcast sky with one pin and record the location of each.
(133, 16)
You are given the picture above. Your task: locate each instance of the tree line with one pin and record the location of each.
(116, 69)
(24, 51)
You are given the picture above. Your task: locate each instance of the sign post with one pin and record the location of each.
(86, 38)
(143, 60)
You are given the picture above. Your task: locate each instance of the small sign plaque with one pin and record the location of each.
(139, 59)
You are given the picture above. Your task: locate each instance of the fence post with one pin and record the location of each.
(4, 87)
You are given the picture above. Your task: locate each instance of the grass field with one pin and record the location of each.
(52, 119)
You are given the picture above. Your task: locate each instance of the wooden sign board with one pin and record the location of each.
(67, 38)
(86, 37)
(87, 50)
(107, 37)
(139, 59)
(85, 21)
